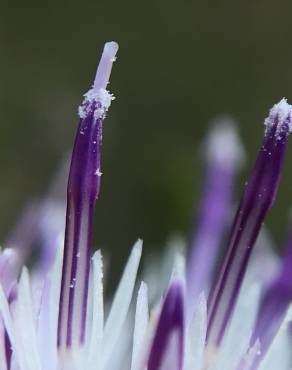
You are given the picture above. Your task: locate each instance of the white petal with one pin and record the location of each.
(9, 325)
(3, 365)
(95, 343)
(48, 319)
(140, 329)
(279, 354)
(251, 356)
(236, 341)
(25, 323)
(121, 303)
(196, 337)
(178, 271)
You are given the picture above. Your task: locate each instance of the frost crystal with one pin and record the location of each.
(280, 115)
(102, 100)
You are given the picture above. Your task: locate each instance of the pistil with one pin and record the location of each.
(82, 192)
(257, 199)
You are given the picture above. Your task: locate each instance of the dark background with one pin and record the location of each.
(180, 63)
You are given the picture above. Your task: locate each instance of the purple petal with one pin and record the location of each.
(8, 350)
(275, 302)
(25, 231)
(40, 226)
(224, 157)
(170, 323)
(82, 192)
(256, 200)
(52, 219)
(10, 266)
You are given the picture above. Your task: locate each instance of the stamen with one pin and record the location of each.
(256, 200)
(168, 341)
(224, 155)
(82, 192)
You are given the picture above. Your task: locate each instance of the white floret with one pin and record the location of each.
(120, 346)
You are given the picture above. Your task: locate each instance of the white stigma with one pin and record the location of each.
(223, 144)
(105, 65)
(280, 114)
(98, 92)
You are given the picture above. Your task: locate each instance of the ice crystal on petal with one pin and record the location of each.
(280, 115)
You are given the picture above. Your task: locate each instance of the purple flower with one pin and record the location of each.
(52, 318)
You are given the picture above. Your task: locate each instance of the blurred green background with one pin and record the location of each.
(179, 65)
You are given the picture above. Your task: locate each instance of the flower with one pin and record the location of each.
(52, 318)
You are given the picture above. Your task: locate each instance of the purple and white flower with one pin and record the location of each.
(233, 314)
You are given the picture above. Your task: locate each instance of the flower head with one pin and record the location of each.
(53, 318)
